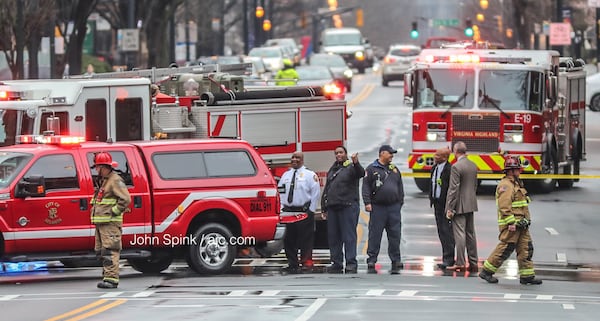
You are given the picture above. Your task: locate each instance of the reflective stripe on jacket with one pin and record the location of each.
(512, 201)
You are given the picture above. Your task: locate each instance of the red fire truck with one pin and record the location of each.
(522, 102)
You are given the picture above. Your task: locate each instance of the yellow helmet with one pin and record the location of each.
(288, 62)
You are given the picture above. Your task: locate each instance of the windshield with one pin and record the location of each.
(405, 52)
(444, 88)
(12, 124)
(511, 89)
(11, 164)
(308, 73)
(328, 60)
(342, 39)
(265, 52)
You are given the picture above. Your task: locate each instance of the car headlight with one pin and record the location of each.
(348, 73)
(513, 138)
(359, 55)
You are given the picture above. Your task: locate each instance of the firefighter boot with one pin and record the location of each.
(530, 280)
(107, 285)
(488, 276)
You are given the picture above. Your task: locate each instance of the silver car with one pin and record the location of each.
(397, 61)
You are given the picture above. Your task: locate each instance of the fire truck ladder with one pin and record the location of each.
(155, 74)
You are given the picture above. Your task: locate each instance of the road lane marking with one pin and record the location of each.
(143, 294)
(78, 310)
(362, 95)
(407, 293)
(9, 297)
(512, 296)
(544, 297)
(567, 306)
(312, 309)
(111, 294)
(269, 293)
(375, 292)
(552, 231)
(97, 310)
(561, 257)
(237, 293)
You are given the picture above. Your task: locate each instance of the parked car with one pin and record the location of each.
(592, 91)
(293, 47)
(341, 71)
(397, 61)
(323, 77)
(272, 57)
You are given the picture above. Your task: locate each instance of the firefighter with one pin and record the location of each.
(513, 221)
(111, 200)
(287, 76)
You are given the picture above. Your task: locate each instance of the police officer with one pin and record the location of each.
(301, 194)
(111, 200)
(340, 204)
(287, 76)
(383, 195)
(513, 222)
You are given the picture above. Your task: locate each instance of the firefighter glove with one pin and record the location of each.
(523, 223)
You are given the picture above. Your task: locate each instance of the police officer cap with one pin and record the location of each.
(387, 148)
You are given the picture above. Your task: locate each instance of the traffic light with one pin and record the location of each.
(414, 33)
(468, 28)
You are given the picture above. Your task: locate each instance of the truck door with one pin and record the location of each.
(136, 221)
(60, 220)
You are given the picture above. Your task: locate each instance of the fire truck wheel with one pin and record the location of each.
(549, 166)
(423, 184)
(212, 252)
(269, 248)
(155, 264)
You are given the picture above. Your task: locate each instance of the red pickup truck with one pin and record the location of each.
(198, 199)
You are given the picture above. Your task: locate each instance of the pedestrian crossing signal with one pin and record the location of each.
(414, 33)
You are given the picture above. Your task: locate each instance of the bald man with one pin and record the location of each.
(440, 180)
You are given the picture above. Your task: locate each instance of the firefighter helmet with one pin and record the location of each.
(512, 162)
(104, 158)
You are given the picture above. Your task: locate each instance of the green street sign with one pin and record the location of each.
(445, 22)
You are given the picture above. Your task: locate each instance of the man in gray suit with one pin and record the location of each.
(461, 202)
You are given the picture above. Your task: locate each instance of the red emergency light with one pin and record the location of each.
(464, 58)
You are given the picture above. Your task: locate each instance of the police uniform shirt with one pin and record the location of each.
(434, 180)
(306, 188)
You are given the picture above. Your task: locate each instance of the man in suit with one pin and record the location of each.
(440, 180)
(461, 202)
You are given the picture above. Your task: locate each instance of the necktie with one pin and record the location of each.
(435, 184)
(291, 191)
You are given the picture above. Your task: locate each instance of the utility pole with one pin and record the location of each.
(20, 41)
(245, 13)
(559, 18)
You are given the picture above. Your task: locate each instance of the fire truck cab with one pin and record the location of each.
(529, 103)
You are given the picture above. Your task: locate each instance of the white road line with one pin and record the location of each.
(111, 294)
(375, 292)
(237, 293)
(312, 309)
(269, 293)
(407, 293)
(544, 297)
(551, 231)
(143, 294)
(512, 296)
(561, 257)
(9, 297)
(568, 306)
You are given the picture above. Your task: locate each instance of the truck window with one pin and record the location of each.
(123, 168)
(10, 166)
(128, 113)
(511, 89)
(58, 170)
(192, 165)
(96, 124)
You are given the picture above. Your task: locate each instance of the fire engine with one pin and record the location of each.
(529, 103)
(202, 102)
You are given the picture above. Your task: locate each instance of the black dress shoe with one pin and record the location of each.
(291, 270)
(371, 268)
(335, 269)
(396, 266)
(351, 270)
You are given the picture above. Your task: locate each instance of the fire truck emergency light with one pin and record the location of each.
(50, 140)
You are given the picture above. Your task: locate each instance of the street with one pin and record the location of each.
(567, 258)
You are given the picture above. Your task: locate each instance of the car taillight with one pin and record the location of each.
(389, 59)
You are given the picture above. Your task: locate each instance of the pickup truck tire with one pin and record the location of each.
(212, 253)
(155, 264)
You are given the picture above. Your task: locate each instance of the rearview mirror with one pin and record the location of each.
(34, 186)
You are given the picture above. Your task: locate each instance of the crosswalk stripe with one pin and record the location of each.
(237, 293)
(375, 292)
(544, 297)
(143, 294)
(512, 296)
(111, 294)
(8, 297)
(269, 293)
(407, 293)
